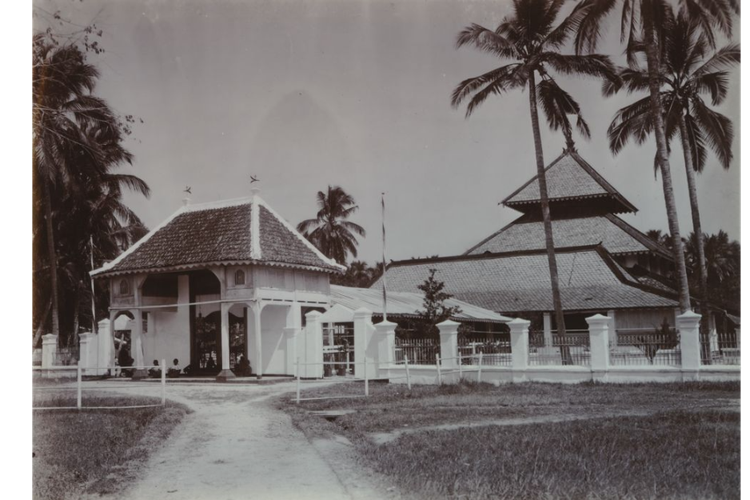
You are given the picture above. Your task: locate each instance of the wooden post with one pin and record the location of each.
(460, 369)
(479, 374)
(437, 364)
(298, 375)
(406, 364)
(78, 369)
(367, 380)
(163, 382)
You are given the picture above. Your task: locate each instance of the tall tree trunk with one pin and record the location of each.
(652, 58)
(42, 324)
(52, 256)
(697, 229)
(94, 325)
(549, 242)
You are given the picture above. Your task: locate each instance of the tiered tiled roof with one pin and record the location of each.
(220, 233)
(519, 281)
(569, 177)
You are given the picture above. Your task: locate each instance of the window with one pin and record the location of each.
(124, 287)
(239, 277)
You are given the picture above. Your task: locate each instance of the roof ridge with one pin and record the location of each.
(496, 255)
(496, 233)
(638, 235)
(305, 241)
(554, 162)
(209, 205)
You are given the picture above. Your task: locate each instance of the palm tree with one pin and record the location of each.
(330, 232)
(531, 40)
(644, 23)
(722, 264)
(686, 77)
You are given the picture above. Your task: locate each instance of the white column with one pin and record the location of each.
(87, 349)
(49, 350)
(257, 310)
(136, 347)
(290, 345)
(449, 348)
(688, 324)
(226, 371)
(547, 329)
(611, 314)
(386, 340)
(599, 339)
(365, 345)
(519, 348)
(313, 346)
(106, 352)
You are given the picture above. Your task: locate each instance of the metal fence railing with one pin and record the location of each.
(495, 350)
(66, 356)
(573, 348)
(720, 349)
(418, 351)
(639, 347)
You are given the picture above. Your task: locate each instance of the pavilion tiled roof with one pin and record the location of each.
(519, 281)
(220, 233)
(616, 235)
(569, 177)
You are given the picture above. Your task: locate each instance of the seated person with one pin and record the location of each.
(155, 371)
(174, 370)
(210, 364)
(242, 368)
(124, 360)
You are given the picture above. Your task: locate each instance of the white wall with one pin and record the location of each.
(169, 331)
(273, 347)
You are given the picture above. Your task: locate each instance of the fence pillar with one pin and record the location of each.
(49, 350)
(88, 353)
(449, 349)
(611, 314)
(547, 322)
(599, 341)
(312, 352)
(386, 340)
(519, 348)
(105, 345)
(365, 345)
(688, 325)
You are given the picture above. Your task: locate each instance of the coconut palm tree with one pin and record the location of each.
(531, 41)
(688, 74)
(330, 232)
(722, 264)
(644, 24)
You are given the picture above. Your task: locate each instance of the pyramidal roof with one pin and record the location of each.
(569, 177)
(240, 231)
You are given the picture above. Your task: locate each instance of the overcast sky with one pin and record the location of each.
(356, 94)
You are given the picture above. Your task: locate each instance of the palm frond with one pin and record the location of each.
(718, 130)
(470, 85)
(485, 40)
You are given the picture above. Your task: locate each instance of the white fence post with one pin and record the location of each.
(690, 347)
(313, 351)
(298, 380)
(406, 364)
(519, 347)
(599, 346)
(460, 368)
(49, 350)
(479, 374)
(437, 365)
(386, 339)
(163, 382)
(449, 345)
(78, 385)
(367, 379)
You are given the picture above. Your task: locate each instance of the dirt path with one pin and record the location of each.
(236, 445)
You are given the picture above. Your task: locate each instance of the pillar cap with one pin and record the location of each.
(49, 336)
(448, 323)
(362, 311)
(598, 318)
(519, 322)
(689, 316)
(384, 324)
(314, 314)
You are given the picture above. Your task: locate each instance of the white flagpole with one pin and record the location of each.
(385, 299)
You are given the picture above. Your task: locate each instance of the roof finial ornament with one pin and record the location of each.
(254, 189)
(186, 199)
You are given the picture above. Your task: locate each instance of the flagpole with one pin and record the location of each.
(385, 298)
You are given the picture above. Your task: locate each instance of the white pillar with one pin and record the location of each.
(547, 329)
(313, 346)
(449, 348)
(386, 340)
(611, 314)
(136, 347)
(226, 370)
(106, 353)
(599, 340)
(365, 344)
(49, 350)
(688, 324)
(87, 349)
(519, 348)
(257, 310)
(290, 348)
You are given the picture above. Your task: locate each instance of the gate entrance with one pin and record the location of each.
(338, 347)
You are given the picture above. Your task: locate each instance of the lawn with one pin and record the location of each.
(96, 451)
(686, 446)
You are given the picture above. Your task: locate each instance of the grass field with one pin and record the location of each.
(687, 447)
(96, 451)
